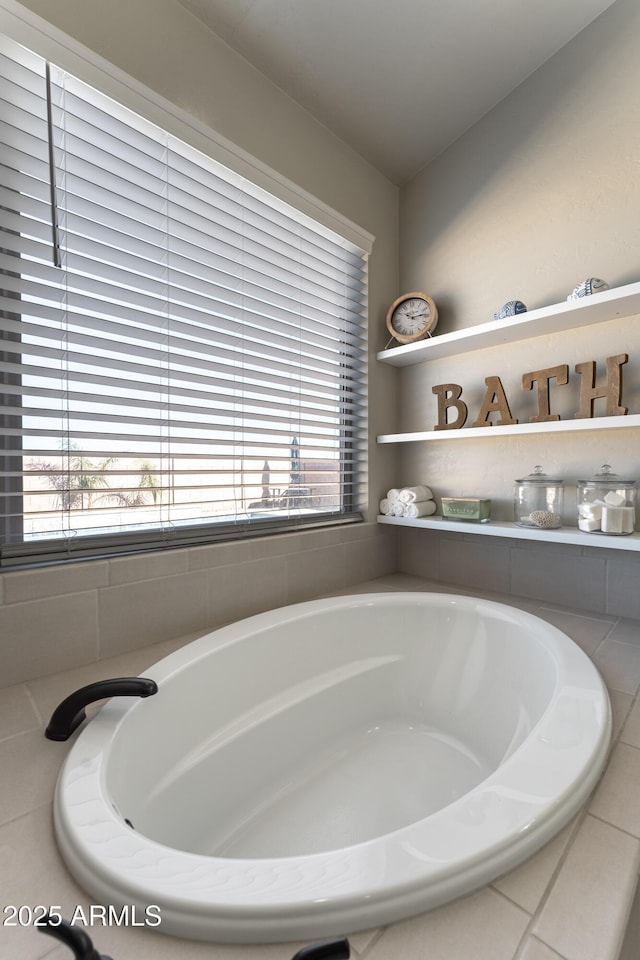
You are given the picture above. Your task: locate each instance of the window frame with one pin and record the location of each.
(30, 31)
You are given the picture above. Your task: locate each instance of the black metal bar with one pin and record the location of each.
(336, 949)
(73, 937)
(69, 714)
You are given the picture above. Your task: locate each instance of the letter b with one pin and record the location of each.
(448, 395)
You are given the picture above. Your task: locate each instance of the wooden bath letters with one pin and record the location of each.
(495, 399)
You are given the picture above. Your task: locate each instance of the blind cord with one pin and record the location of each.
(57, 259)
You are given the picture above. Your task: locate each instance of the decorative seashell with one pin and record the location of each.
(587, 287)
(510, 309)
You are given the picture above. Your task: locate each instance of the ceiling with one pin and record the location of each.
(398, 80)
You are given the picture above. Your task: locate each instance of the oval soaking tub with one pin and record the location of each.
(332, 766)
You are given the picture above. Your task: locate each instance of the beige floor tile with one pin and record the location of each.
(621, 704)
(631, 731)
(619, 664)
(527, 883)
(34, 764)
(536, 950)
(627, 631)
(360, 588)
(483, 926)
(170, 646)
(32, 873)
(590, 897)
(436, 586)
(617, 798)
(563, 608)
(361, 941)
(588, 632)
(511, 600)
(17, 712)
(403, 581)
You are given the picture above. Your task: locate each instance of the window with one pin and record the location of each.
(182, 354)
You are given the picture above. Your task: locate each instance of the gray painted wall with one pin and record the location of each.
(542, 193)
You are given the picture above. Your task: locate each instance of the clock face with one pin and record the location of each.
(411, 317)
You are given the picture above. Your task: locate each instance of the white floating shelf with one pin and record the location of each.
(598, 308)
(608, 305)
(551, 426)
(494, 528)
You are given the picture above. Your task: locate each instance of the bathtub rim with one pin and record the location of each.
(237, 922)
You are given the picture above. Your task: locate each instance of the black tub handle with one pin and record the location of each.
(68, 715)
(336, 949)
(80, 943)
(73, 937)
(83, 949)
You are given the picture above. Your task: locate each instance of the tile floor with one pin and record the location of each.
(571, 901)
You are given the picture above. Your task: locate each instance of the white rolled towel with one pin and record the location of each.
(385, 507)
(393, 495)
(414, 494)
(424, 508)
(397, 509)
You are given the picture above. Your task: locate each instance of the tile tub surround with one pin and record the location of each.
(570, 901)
(58, 617)
(588, 578)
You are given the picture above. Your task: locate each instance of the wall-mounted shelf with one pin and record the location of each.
(552, 426)
(502, 529)
(600, 307)
(608, 305)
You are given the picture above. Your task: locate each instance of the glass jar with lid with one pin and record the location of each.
(607, 504)
(538, 500)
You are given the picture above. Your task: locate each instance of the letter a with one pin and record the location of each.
(494, 399)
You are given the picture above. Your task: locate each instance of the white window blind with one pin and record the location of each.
(182, 356)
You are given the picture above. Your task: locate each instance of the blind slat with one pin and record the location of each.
(196, 366)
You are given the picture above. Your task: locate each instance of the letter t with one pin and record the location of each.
(542, 377)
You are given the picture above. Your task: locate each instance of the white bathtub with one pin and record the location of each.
(333, 766)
